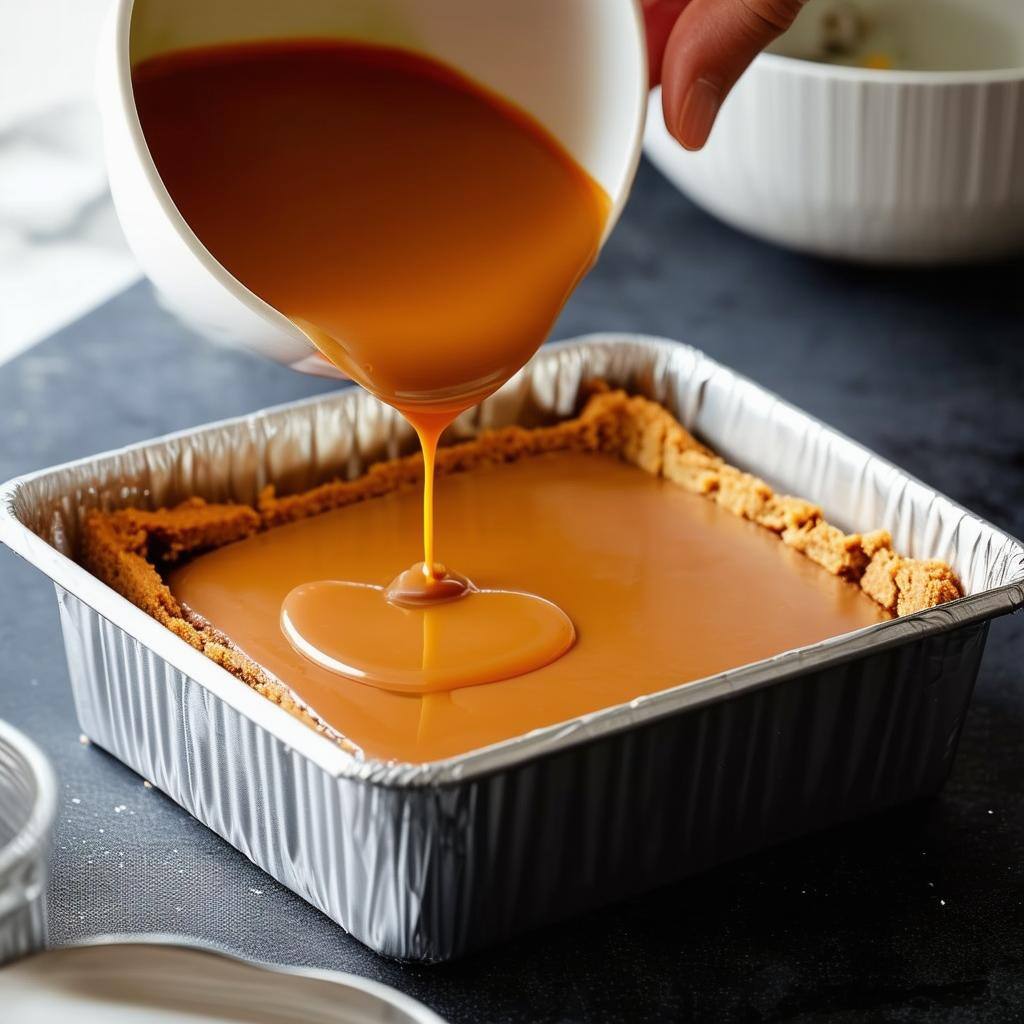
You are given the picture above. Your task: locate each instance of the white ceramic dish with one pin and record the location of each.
(162, 979)
(28, 801)
(900, 166)
(578, 66)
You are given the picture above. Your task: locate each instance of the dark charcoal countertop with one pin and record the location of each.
(914, 915)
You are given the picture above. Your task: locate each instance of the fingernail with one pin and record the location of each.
(697, 115)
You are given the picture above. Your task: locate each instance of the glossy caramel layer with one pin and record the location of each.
(662, 585)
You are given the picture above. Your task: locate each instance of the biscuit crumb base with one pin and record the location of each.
(124, 548)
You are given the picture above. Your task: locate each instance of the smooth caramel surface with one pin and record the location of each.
(662, 585)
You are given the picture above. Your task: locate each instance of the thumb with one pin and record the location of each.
(708, 48)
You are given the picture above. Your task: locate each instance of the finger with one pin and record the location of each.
(709, 47)
(659, 17)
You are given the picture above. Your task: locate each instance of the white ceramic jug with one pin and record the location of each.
(577, 66)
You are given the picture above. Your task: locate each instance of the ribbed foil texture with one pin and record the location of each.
(427, 862)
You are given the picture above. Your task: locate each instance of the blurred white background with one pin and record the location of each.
(61, 250)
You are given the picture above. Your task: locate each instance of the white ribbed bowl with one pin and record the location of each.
(879, 166)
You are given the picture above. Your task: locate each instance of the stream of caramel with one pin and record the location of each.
(423, 233)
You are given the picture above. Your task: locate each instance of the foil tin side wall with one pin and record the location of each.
(430, 873)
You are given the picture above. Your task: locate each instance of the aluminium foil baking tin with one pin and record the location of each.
(429, 861)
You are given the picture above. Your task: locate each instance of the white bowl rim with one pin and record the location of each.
(893, 76)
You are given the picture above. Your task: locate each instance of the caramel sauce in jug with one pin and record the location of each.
(424, 234)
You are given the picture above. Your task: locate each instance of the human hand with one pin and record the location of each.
(697, 49)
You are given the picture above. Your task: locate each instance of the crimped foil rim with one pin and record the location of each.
(331, 758)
